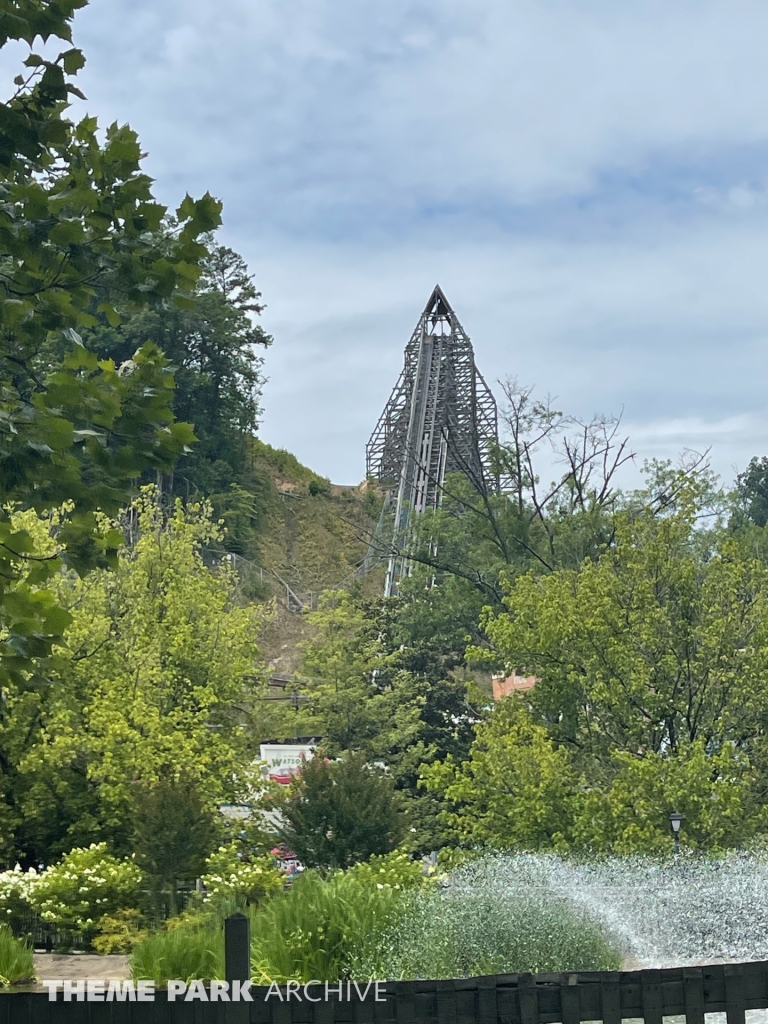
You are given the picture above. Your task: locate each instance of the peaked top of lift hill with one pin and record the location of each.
(438, 305)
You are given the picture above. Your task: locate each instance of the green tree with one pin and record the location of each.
(715, 792)
(374, 688)
(752, 493)
(521, 790)
(517, 789)
(154, 685)
(213, 344)
(650, 662)
(658, 644)
(174, 833)
(339, 666)
(77, 217)
(338, 813)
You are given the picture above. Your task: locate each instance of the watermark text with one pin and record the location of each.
(314, 991)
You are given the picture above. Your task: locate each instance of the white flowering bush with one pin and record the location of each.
(84, 886)
(16, 888)
(228, 877)
(395, 870)
(74, 894)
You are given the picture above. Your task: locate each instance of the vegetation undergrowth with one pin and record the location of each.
(384, 919)
(16, 960)
(438, 935)
(316, 929)
(184, 953)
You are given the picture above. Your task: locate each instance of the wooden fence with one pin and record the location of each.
(506, 999)
(607, 996)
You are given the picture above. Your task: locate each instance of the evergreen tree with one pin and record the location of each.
(339, 813)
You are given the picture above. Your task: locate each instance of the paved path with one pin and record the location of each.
(73, 967)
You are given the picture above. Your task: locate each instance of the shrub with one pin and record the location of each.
(337, 813)
(231, 880)
(15, 896)
(319, 485)
(73, 894)
(16, 961)
(397, 870)
(120, 932)
(173, 834)
(84, 886)
(486, 923)
(184, 953)
(317, 927)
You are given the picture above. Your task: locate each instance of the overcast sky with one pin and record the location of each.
(587, 180)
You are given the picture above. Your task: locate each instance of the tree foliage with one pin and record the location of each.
(515, 790)
(521, 790)
(650, 663)
(375, 687)
(77, 221)
(657, 644)
(152, 686)
(174, 831)
(752, 493)
(213, 344)
(338, 813)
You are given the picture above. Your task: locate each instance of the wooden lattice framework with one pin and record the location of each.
(440, 418)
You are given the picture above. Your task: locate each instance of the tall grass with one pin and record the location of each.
(16, 960)
(316, 929)
(497, 915)
(184, 953)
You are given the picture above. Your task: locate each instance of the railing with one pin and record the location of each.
(607, 996)
(42, 935)
(294, 598)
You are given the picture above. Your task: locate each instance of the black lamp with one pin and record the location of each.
(676, 820)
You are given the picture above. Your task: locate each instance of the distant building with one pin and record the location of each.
(284, 760)
(503, 686)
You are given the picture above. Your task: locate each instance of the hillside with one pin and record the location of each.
(311, 533)
(305, 536)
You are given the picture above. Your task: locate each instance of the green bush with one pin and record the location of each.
(231, 880)
(496, 916)
(338, 813)
(84, 886)
(120, 932)
(16, 961)
(316, 928)
(396, 869)
(184, 953)
(74, 894)
(319, 486)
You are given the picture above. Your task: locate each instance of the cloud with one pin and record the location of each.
(725, 440)
(332, 104)
(677, 332)
(586, 179)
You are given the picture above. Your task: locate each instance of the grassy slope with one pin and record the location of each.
(313, 535)
(313, 540)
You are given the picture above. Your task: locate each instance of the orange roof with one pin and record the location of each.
(504, 685)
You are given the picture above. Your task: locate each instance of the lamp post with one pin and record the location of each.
(676, 820)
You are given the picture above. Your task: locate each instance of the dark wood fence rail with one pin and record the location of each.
(506, 999)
